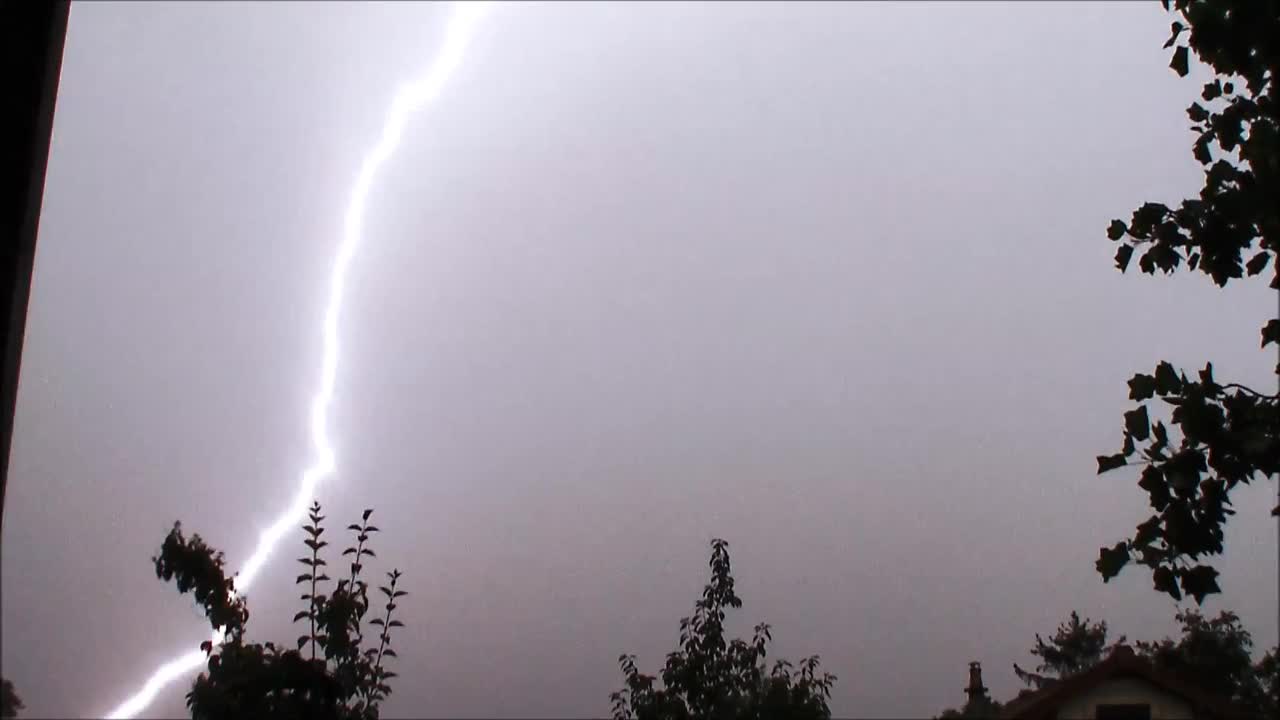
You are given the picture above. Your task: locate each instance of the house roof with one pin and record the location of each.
(1122, 662)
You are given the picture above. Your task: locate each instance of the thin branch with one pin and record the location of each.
(1251, 391)
(315, 570)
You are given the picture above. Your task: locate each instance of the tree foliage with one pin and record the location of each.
(1075, 646)
(1267, 671)
(981, 707)
(1218, 653)
(1226, 434)
(10, 703)
(709, 678)
(330, 675)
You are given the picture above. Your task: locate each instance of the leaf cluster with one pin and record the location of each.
(1232, 228)
(1230, 434)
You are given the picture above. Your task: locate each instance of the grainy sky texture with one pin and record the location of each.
(830, 281)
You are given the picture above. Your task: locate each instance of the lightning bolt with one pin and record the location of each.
(410, 98)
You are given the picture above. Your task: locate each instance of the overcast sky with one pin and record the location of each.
(828, 281)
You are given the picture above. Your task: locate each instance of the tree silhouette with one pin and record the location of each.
(707, 678)
(1217, 652)
(1230, 434)
(1077, 645)
(1214, 653)
(10, 703)
(979, 708)
(1267, 671)
(338, 679)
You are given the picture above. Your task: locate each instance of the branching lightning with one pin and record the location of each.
(412, 97)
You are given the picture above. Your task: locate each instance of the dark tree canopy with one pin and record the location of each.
(982, 708)
(1267, 671)
(709, 678)
(330, 675)
(1218, 653)
(1077, 645)
(1215, 653)
(1226, 434)
(10, 703)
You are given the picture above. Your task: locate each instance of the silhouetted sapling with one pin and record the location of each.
(709, 679)
(330, 675)
(1076, 646)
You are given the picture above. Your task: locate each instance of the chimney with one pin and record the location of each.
(976, 689)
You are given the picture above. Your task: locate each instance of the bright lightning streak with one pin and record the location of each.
(408, 100)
